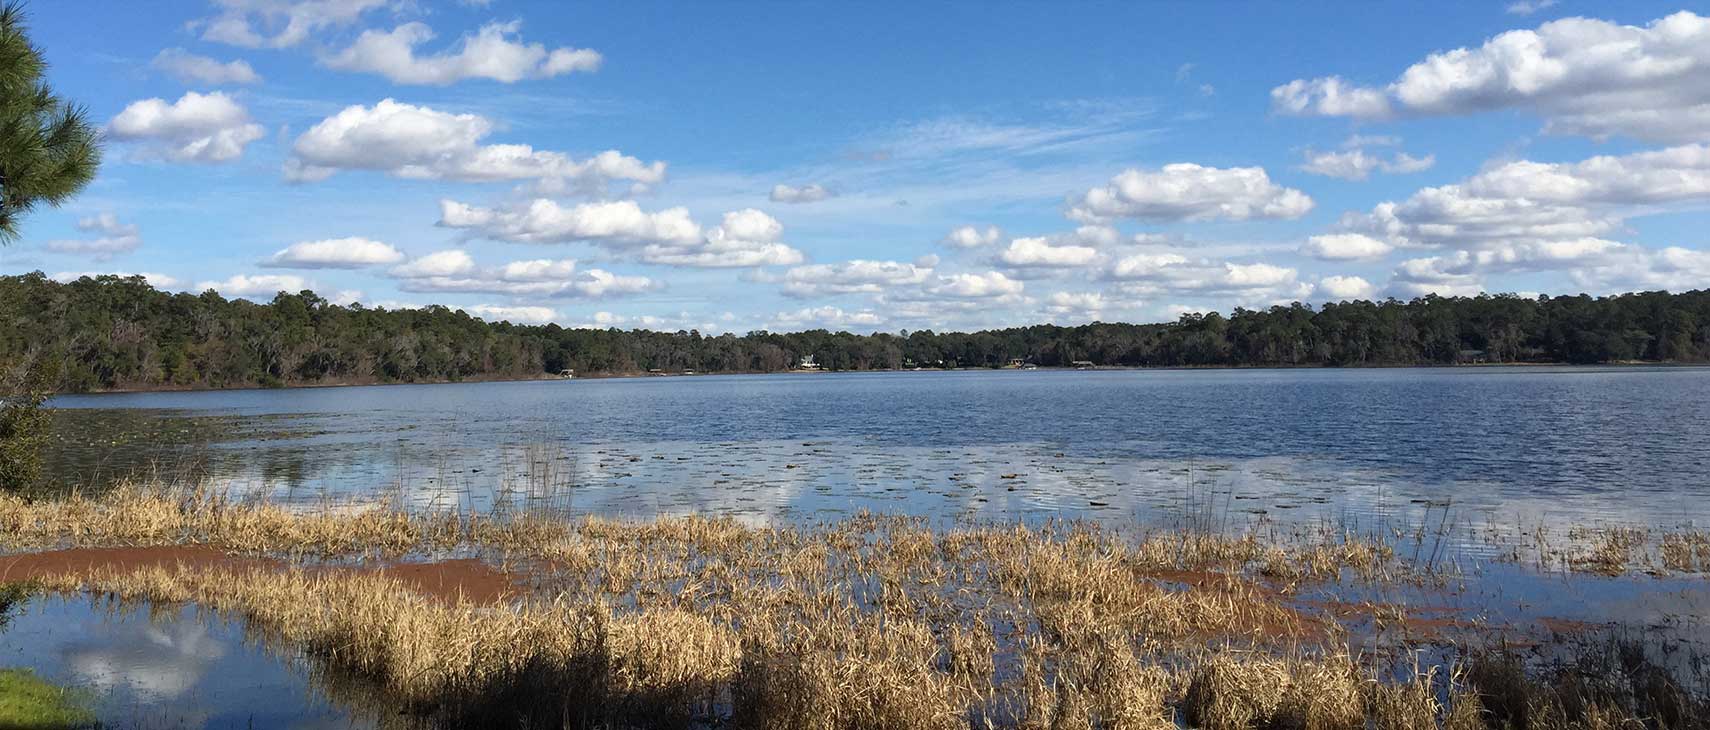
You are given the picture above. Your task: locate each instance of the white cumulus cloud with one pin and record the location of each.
(1041, 252)
(197, 128)
(1345, 247)
(1584, 76)
(1631, 268)
(455, 271)
(853, 277)
(1189, 192)
(418, 142)
(537, 270)
(450, 262)
(260, 286)
(1345, 288)
(354, 252)
(597, 283)
(973, 237)
(831, 318)
(745, 238)
(1065, 306)
(1525, 201)
(492, 53)
(987, 285)
(1154, 274)
(513, 314)
(617, 222)
(279, 23)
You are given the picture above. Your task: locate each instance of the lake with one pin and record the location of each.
(1457, 465)
(1509, 446)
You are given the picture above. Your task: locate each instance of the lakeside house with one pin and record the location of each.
(567, 373)
(808, 363)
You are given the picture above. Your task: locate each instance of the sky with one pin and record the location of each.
(733, 166)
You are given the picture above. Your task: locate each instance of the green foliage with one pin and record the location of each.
(28, 702)
(25, 700)
(48, 148)
(110, 332)
(24, 423)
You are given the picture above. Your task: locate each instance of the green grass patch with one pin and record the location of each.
(28, 703)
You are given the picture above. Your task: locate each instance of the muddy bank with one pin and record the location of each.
(449, 581)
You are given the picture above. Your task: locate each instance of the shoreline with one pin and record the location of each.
(1008, 624)
(1099, 368)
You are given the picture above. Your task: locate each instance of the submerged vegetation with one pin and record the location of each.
(869, 622)
(112, 332)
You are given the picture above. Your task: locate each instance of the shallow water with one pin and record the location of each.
(143, 666)
(164, 668)
(1498, 446)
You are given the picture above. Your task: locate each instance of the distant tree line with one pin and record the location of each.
(111, 332)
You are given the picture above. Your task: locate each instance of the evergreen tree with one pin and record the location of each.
(48, 152)
(48, 149)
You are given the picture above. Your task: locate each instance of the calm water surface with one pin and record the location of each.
(1492, 445)
(168, 667)
(1488, 453)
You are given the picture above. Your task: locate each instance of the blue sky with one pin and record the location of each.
(871, 166)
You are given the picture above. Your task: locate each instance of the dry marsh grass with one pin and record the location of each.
(870, 622)
(1616, 685)
(1687, 552)
(1611, 551)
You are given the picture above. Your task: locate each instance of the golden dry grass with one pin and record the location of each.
(1615, 550)
(1686, 552)
(870, 622)
(1611, 550)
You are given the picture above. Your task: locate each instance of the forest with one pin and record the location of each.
(109, 333)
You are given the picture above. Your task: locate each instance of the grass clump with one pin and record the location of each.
(1616, 685)
(1234, 691)
(1611, 551)
(1686, 552)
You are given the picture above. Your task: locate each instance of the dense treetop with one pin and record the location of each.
(111, 332)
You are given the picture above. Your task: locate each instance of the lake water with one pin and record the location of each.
(1476, 455)
(1490, 446)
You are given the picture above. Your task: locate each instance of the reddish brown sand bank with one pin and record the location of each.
(446, 580)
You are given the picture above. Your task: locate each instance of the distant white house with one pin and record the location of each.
(808, 363)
